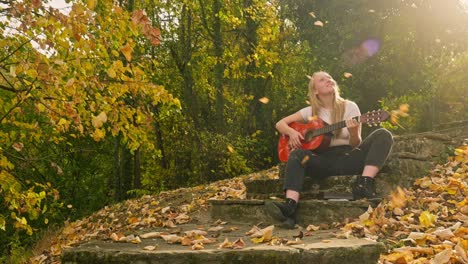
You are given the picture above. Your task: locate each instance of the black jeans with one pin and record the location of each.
(338, 160)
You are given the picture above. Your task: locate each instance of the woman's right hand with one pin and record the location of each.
(295, 139)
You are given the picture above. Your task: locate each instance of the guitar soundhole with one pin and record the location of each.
(309, 135)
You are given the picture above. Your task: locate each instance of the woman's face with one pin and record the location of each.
(324, 84)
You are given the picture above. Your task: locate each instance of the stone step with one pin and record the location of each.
(321, 246)
(315, 189)
(314, 212)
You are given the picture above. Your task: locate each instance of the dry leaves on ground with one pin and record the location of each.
(426, 224)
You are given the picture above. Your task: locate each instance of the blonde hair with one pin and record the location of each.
(338, 103)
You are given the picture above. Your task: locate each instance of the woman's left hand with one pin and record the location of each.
(352, 124)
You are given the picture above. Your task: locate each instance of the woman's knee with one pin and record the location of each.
(298, 154)
(383, 134)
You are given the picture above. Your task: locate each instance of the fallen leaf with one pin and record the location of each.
(150, 248)
(238, 244)
(151, 235)
(215, 228)
(318, 23)
(171, 239)
(198, 246)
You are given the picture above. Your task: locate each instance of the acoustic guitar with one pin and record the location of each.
(317, 134)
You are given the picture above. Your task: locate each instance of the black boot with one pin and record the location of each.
(283, 212)
(364, 187)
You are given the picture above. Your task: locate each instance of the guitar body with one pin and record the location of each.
(318, 143)
(317, 134)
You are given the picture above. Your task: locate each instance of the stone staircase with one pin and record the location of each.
(322, 202)
(322, 246)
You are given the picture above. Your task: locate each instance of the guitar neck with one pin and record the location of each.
(333, 127)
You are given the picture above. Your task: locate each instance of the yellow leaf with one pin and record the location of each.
(230, 149)
(404, 108)
(127, 51)
(257, 240)
(13, 71)
(427, 219)
(91, 4)
(111, 73)
(99, 134)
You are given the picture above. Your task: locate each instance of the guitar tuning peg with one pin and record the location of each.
(376, 124)
(369, 125)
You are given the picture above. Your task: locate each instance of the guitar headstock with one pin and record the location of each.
(373, 118)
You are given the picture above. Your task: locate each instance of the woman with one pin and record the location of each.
(346, 154)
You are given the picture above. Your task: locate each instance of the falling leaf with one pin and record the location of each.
(230, 148)
(312, 14)
(57, 168)
(264, 100)
(318, 23)
(398, 198)
(304, 160)
(127, 51)
(404, 108)
(347, 75)
(99, 120)
(18, 146)
(371, 11)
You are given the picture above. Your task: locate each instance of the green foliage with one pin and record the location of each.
(95, 101)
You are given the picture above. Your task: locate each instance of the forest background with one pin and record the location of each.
(105, 101)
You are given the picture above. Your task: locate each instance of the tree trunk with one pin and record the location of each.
(219, 67)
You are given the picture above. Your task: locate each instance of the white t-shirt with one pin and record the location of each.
(351, 110)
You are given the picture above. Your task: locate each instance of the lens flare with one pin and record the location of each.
(361, 53)
(372, 46)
